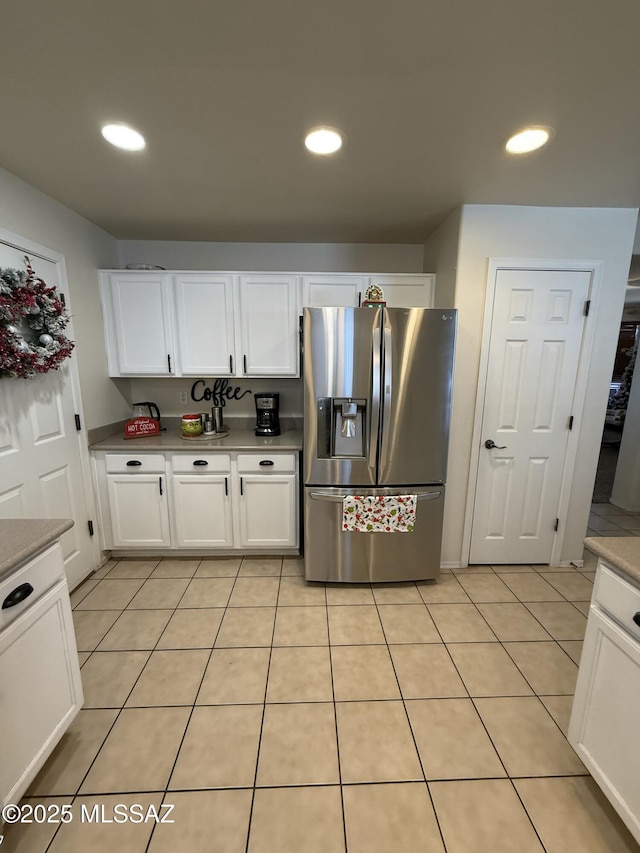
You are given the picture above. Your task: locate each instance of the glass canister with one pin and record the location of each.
(191, 425)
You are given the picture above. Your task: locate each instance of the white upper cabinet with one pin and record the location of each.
(333, 291)
(269, 325)
(204, 324)
(138, 324)
(228, 324)
(408, 290)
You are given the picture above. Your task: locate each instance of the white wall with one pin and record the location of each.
(488, 231)
(299, 257)
(34, 216)
(441, 258)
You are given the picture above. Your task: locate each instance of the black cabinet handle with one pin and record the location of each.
(160, 484)
(636, 618)
(230, 364)
(169, 362)
(200, 462)
(226, 487)
(241, 491)
(133, 463)
(17, 595)
(244, 362)
(266, 462)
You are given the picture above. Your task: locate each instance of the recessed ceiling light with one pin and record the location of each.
(123, 136)
(323, 140)
(528, 139)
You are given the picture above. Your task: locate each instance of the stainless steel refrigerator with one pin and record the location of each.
(377, 399)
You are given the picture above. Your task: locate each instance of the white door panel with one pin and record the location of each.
(40, 465)
(536, 335)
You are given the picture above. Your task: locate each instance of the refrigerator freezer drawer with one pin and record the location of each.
(331, 554)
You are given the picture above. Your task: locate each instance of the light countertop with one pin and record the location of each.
(22, 538)
(621, 552)
(237, 439)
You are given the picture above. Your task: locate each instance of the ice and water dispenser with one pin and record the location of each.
(341, 427)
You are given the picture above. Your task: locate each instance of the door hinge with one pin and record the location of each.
(587, 305)
(557, 524)
(90, 526)
(571, 422)
(78, 424)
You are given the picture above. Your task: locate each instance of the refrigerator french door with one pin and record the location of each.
(377, 399)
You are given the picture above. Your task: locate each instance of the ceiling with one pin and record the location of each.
(223, 91)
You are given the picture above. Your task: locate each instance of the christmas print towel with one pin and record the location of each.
(379, 514)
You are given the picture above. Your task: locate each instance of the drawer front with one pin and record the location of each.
(618, 598)
(265, 463)
(201, 463)
(40, 573)
(134, 463)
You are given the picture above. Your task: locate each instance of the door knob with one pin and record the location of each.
(491, 445)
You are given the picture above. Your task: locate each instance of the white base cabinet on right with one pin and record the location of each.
(267, 500)
(606, 708)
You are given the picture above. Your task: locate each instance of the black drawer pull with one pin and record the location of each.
(636, 618)
(267, 462)
(133, 463)
(17, 595)
(200, 462)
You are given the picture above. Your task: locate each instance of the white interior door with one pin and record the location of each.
(536, 336)
(40, 466)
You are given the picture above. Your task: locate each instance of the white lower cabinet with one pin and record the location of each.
(201, 500)
(218, 501)
(267, 500)
(139, 512)
(604, 718)
(40, 687)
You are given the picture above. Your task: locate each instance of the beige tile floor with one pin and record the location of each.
(277, 716)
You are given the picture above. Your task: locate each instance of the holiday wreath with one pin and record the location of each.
(32, 320)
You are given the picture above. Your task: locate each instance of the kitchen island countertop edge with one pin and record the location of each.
(23, 538)
(621, 552)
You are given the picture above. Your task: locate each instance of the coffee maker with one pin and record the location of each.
(267, 419)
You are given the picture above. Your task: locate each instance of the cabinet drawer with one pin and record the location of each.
(265, 463)
(41, 573)
(619, 598)
(134, 463)
(201, 463)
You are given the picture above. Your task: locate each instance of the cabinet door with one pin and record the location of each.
(333, 291)
(604, 719)
(267, 510)
(202, 511)
(269, 324)
(138, 507)
(40, 689)
(204, 324)
(406, 291)
(137, 312)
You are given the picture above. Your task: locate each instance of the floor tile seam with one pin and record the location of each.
(264, 710)
(535, 692)
(413, 736)
(335, 720)
(525, 603)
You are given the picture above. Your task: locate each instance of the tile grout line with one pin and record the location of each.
(406, 713)
(195, 699)
(264, 711)
(335, 721)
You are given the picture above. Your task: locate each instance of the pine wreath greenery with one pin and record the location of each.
(32, 321)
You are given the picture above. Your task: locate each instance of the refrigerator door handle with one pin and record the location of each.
(386, 397)
(375, 397)
(331, 496)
